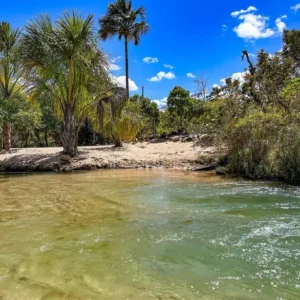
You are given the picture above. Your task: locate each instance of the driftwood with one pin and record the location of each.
(210, 167)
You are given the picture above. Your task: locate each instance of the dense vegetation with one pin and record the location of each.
(56, 90)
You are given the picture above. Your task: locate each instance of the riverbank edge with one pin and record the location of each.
(37, 160)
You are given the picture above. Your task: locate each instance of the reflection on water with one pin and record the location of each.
(147, 235)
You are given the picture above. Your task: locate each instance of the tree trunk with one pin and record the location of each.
(46, 137)
(69, 132)
(7, 135)
(127, 67)
(118, 143)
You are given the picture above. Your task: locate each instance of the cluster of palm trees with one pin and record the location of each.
(62, 60)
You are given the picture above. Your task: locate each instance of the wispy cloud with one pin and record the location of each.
(224, 28)
(295, 7)
(116, 59)
(113, 64)
(243, 11)
(150, 60)
(190, 75)
(114, 67)
(168, 66)
(280, 24)
(162, 75)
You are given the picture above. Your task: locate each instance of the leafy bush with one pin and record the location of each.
(265, 145)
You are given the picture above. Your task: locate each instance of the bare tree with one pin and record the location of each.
(202, 87)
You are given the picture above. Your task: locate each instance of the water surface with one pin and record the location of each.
(147, 235)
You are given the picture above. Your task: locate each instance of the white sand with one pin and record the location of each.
(167, 154)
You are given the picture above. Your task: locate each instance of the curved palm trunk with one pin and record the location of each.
(118, 143)
(127, 66)
(7, 136)
(69, 132)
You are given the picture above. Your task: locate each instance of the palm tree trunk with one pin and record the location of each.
(7, 136)
(127, 66)
(118, 143)
(69, 132)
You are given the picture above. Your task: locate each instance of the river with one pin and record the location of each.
(138, 234)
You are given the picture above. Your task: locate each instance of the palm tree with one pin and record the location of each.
(10, 72)
(122, 124)
(63, 58)
(113, 115)
(122, 20)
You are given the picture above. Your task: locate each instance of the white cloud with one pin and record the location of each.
(224, 28)
(114, 67)
(113, 64)
(216, 86)
(252, 55)
(150, 60)
(116, 59)
(162, 104)
(280, 24)
(121, 81)
(162, 75)
(295, 7)
(190, 75)
(168, 66)
(253, 27)
(243, 11)
(239, 75)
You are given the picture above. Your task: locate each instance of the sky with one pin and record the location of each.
(186, 39)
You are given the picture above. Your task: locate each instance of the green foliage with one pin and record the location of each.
(26, 121)
(151, 115)
(265, 145)
(291, 94)
(291, 47)
(179, 105)
(123, 21)
(250, 142)
(287, 154)
(63, 58)
(125, 126)
(86, 134)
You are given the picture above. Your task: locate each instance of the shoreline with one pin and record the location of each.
(167, 155)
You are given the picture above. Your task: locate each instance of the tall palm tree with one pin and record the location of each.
(63, 58)
(125, 22)
(10, 72)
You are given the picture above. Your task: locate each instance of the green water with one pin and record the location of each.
(147, 235)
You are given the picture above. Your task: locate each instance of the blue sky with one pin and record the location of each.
(192, 36)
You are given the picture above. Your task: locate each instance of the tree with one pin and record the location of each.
(291, 94)
(179, 103)
(50, 123)
(264, 83)
(115, 117)
(124, 124)
(10, 72)
(150, 112)
(291, 45)
(125, 22)
(63, 57)
(202, 87)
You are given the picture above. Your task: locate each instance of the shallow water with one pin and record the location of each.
(147, 235)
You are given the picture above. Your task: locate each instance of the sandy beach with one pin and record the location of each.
(168, 154)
